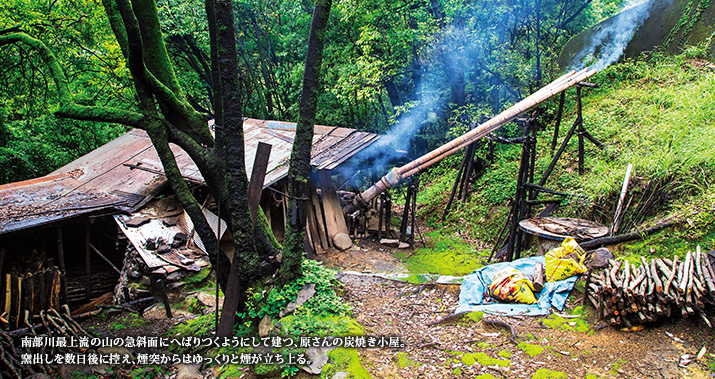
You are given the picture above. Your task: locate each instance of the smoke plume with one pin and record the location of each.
(608, 43)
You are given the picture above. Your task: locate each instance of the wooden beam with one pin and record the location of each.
(87, 262)
(232, 295)
(334, 219)
(258, 176)
(63, 272)
(319, 217)
(91, 246)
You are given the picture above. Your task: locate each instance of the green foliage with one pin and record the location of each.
(130, 321)
(323, 314)
(656, 113)
(151, 371)
(203, 325)
(37, 146)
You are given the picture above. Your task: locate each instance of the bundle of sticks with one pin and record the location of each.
(626, 294)
(55, 324)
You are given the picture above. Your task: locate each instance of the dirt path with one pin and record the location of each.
(546, 347)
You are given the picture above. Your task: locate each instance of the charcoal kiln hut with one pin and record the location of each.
(64, 236)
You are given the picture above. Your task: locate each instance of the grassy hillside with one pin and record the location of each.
(657, 114)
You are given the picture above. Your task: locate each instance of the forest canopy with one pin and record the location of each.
(444, 62)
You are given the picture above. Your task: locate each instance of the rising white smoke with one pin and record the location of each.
(608, 43)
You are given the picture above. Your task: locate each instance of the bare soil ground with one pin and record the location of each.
(468, 348)
(462, 347)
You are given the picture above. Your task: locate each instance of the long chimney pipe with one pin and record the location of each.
(477, 132)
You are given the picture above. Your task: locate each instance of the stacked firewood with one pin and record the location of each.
(626, 294)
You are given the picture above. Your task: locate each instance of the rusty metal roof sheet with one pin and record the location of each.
(331, 145)
(44, 200)
(126, 173)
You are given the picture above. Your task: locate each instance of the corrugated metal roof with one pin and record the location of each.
(331, 145)
(126, 172)
(51, 198)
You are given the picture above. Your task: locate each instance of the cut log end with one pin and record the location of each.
(342, 241)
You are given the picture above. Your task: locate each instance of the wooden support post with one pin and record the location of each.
(405, 215)
(388, 216)
(258, 175)
(581, 130)
(334, 219)
(469, 155)
(88, 260)
(518, 206)
(16, 299)
(457, 181)
(381, 215)
(159, 289)
(559, 116)
(414, 211)
(233, 284)
(63, 272)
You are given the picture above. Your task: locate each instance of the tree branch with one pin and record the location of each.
(68, 108)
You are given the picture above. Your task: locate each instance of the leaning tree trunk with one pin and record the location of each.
(302, 146)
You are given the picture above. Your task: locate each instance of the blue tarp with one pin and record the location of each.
(472, 296)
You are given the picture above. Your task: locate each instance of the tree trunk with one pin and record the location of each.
(302, 146)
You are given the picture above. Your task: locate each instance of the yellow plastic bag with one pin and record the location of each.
(510, 285)
(565, 261)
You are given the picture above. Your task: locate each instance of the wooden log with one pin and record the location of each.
(638, 234)
(656, 277)
(8, 293)
(709, 280)
(16, 302)
(626, 276)
(705, 319)
(313, 233)
(41, 286)
(539, 277)
(319, 217)
(673, 273)
(613, 271)
(621, 198)
(29, 296)
(651, 281)
(691, 275)
(54, 286)
(637, 281)
(684, 278)
(334, 219)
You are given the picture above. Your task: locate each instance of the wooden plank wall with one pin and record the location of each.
(326, 227)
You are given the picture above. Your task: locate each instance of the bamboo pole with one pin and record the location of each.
(477, 132)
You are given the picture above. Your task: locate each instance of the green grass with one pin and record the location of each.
(656, 114)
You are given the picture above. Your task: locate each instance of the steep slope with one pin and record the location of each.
(657, 114)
